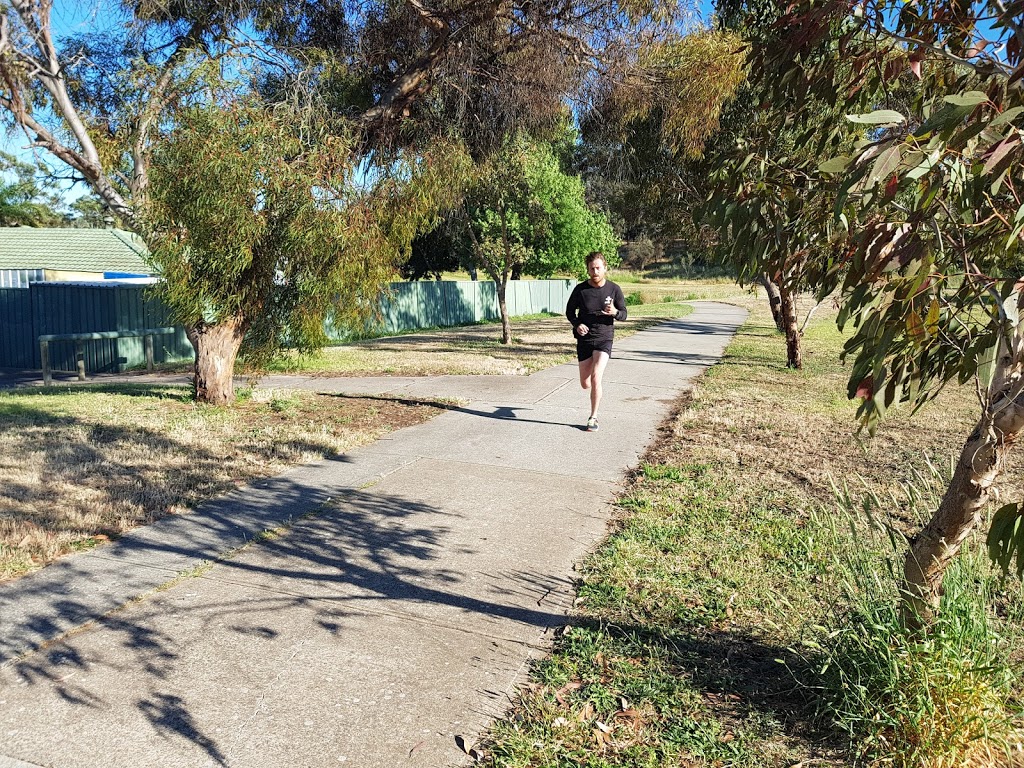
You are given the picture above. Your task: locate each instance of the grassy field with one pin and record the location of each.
(741, 613)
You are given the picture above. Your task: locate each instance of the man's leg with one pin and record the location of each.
(586, 368)
(598, 363)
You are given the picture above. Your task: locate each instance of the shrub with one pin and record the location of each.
(667, 299)
(634, 298)
(909, 698)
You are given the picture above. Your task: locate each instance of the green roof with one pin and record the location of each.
(73, 250)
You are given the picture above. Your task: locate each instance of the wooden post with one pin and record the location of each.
(44, 354)
(80, 360)
(149, 352)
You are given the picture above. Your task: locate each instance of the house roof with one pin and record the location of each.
(73, 250)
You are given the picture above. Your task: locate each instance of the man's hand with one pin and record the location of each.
(582, 329)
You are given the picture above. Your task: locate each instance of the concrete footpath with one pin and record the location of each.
(417, 579)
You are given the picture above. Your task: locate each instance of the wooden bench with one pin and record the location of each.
(80, 338)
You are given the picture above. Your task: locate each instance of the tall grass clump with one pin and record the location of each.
(939, 697)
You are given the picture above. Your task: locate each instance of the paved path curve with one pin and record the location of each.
(371, 633)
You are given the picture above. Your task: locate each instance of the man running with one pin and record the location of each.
(593, 308)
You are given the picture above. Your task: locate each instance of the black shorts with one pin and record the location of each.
(586, 347)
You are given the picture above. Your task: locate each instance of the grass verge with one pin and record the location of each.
(708, 623)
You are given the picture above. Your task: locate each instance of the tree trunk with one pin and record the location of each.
(506, 325)
(216, 348)
(774, 299)
(788, 307)
(960, 511)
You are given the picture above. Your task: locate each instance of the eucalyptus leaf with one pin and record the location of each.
(969, 99)
(835, 164)
(1006, 538)
(986, 366)
(878, 117)
(1007, 116)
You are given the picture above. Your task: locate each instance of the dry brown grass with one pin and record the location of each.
(84, 464)
(770, 421)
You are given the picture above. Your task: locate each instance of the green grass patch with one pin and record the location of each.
(904, 697)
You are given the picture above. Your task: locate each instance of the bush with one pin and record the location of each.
(903, 697)
(634, 298)
(667, 299)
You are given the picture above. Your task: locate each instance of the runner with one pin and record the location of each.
(593, 308)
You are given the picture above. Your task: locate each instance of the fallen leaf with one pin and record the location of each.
(416, 747)
(559, 722)
(632, 717)
(560, 693)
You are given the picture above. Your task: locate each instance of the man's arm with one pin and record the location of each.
(572, 307)
(620, 304)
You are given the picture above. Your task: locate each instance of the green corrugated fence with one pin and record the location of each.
(62, 308)
(428, 304)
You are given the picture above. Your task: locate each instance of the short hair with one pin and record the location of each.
(594, 256)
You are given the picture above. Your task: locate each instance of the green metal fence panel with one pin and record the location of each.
(431, 305)
(60, 308)
(461, 302)
(487, 301)
(17, 349)
(137, 308)
(401, 308)
(75, 308)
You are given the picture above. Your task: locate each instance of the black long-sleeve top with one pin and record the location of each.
(585, 305)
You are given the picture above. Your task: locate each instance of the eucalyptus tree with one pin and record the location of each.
(931, 198)
(261, 235)
(25, 199)
(645, 131)
(390, 76)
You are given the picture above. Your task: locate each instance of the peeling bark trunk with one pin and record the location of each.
(774, 299)
(216, 349)
(960, 511)
(794, 358)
